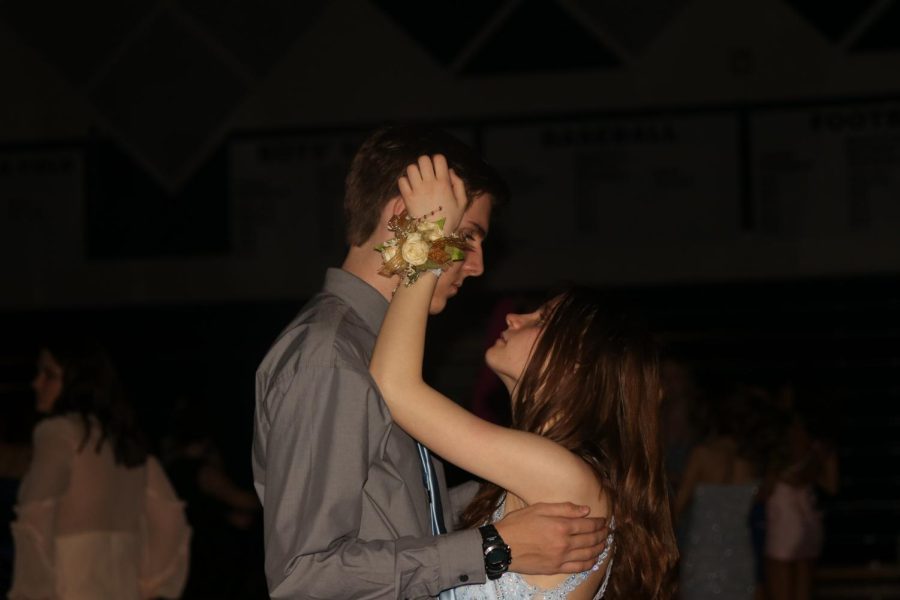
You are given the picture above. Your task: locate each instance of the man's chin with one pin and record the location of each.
(438, 304)
(441, 296)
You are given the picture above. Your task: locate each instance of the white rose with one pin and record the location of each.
(415, 251)
(388, 253)
(430, 231)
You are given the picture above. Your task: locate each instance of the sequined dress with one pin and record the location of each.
(717, 553)
(512, 586)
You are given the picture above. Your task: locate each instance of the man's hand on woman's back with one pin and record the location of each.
(546, 539)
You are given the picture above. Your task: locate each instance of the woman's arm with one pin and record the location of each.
(528, 465)
(166, 540)
(34, 529)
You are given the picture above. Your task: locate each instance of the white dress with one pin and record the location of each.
(512, 586)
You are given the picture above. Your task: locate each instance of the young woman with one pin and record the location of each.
(585, 397)
(96, 515)
(726, 477)
(794, 521)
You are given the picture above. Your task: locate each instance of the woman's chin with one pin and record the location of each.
(492, 362)
(490, 358)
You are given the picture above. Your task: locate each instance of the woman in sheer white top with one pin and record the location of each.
(584, 392)
(96, 517)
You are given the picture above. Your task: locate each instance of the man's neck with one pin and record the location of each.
(364, 263)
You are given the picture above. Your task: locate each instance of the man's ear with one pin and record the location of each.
(396, 205)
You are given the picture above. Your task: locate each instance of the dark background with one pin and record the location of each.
(170, 178)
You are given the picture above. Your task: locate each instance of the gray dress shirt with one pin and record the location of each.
(344, 504)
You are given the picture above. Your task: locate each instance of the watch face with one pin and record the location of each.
(498, 555)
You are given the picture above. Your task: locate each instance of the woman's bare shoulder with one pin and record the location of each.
(590, 491)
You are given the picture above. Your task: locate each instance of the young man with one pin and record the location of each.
(347, 513)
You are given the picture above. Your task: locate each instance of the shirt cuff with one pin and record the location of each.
(461, 559)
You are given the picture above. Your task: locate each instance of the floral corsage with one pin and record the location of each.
(418, 246)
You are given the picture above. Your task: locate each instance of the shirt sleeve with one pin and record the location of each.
(33, 529)
(313, 441)
(166, 538)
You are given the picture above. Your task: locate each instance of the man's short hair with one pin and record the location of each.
(382, 159)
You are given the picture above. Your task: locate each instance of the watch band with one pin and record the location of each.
(497, 555)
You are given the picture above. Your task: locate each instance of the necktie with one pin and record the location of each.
(435, 508)
(434, 492)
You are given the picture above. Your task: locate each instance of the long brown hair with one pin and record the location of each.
(92, 390)
(592, 386)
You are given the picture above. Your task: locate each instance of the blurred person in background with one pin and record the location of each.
(794, 522)
(677, 416)
(225, 518)
(723, 478)
(96, 516)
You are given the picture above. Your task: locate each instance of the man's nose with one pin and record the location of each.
(473, 266)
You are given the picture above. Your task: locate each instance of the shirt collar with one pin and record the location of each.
(365, 300)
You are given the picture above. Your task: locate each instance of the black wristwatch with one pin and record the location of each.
(496, 553)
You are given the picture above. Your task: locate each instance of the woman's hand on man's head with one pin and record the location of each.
(432, 191)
